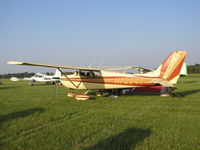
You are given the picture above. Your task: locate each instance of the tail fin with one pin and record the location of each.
(57, 73)
(171, 67)
(169, 71)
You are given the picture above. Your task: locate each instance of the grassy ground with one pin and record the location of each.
(30, 119)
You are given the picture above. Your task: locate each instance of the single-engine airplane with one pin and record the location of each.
(166, 74)
(41, 77)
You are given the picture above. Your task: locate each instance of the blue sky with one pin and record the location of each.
(81, 32)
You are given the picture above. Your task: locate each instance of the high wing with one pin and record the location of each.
(64, 67)
(51, 66)
(120, 68)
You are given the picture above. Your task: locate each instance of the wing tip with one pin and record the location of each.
(14, 63)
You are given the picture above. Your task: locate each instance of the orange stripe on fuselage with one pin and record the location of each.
(136, 81)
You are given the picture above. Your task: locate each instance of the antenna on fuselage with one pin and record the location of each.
(101, 62)
(92, 63)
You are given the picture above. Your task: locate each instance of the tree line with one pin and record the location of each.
(193, 68)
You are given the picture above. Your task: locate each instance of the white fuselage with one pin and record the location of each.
(104, 80)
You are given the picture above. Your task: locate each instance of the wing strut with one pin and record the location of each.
(68, 78)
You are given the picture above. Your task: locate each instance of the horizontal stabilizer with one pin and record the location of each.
(162, 82)
(14, 79)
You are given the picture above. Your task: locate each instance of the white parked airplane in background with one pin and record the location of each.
(40, 77)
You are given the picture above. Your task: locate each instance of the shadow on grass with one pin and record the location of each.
(185, 93)
(128, 94)
(189, 82)
(41, 84)
(123, 141)
(8, 87)
(20, 114)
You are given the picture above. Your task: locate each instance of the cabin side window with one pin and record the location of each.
(39, 76)
(89, 74)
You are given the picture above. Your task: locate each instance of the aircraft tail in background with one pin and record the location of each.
(57, 74)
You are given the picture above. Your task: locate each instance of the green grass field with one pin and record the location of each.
(31, 120)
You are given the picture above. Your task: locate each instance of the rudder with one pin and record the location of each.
(171, 67)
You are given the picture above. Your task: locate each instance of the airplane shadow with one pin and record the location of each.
(185, 93)
(127, 94)
(123, 141)
(20, 114)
